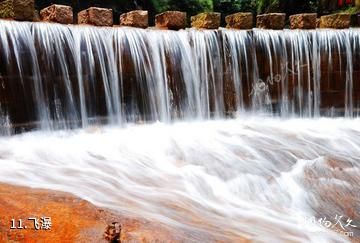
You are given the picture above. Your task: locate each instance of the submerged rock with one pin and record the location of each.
(206, 20)
(137, 18)
(303, 21)
(57, 13)
(172, 20)
(96, 16)
(335, 21)
(239, 21)
(274, 21)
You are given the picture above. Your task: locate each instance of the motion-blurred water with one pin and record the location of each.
(60, 77)
(259, 178)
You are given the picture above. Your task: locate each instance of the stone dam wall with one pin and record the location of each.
(74, 73)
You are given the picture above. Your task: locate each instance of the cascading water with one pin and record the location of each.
(69, 76)
(253, 176)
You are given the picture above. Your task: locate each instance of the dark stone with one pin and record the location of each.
(24, 10)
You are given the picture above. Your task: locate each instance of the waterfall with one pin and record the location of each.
(85, 91)
(58, 76)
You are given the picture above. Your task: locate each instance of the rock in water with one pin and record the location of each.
(96, 16)
(57, 13)
(206, 20)
(303, 21)
(239, 21)
(137, 18)
(274, 21)
(335, 21)
(172, 20)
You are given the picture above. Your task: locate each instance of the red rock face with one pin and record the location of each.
(173, 20)
(137, 18)
(303, 21)
(274, 21)
(96, 16)
(76, 220)
(57, 13)
(206, 21)
(72, 219)
(239, 21)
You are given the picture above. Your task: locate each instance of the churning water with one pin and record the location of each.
(257, 178)
(168, 151)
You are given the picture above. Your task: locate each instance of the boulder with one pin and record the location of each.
(137, 18)
(335, 21)
(172, 20)
(239, 21)
(24, 9)
(6, 9)
(206, 20)
(274, 21)
(303, 21)
(57, 13)
(96, 16)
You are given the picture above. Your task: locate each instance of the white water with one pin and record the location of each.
(60, 77)
(252, 177)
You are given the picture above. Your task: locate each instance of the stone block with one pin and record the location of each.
(57, 13)
(239, 21)
(173, 20)
(96, 16)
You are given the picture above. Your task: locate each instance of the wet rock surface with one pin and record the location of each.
(172, 20)
(303, 21)
(57, 13)
(239, 21)
(72, 219)
(332, 183)
(335, 21)
(206, 20)
(137, 18)
(96, 16)
(274, 21)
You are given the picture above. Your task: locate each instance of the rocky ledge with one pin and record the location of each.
(72, 220)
